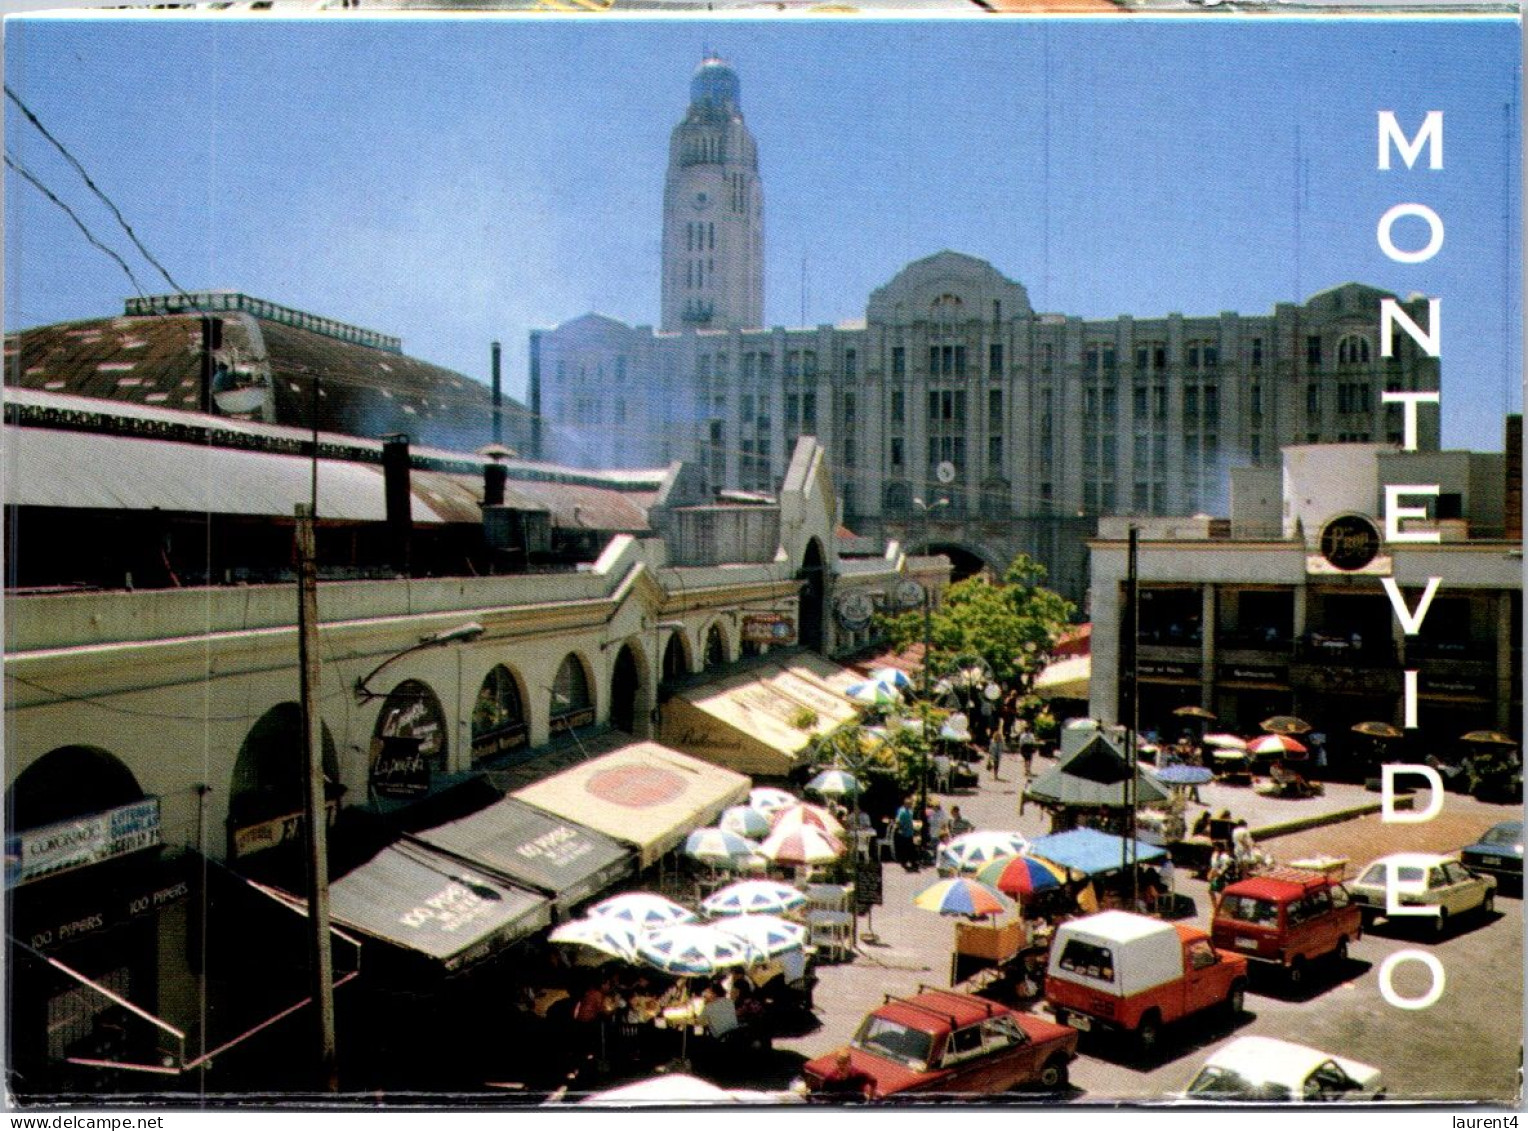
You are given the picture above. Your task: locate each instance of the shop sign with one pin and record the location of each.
(769, 628)
(500, 741)
(1255, 673)
(80, 842)
(579, 718)
(277, 830)
(1453, 685)
(95, 916)
(1166, 669)
(399, 768)
(855, 610)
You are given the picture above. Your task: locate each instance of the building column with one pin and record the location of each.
(1504, 634)
(1207, 627)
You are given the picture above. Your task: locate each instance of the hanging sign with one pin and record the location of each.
(82, 841)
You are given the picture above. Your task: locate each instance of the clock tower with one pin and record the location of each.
(713, 211)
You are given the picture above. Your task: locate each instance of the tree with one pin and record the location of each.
(1013, 623)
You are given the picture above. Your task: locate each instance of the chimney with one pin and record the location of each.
(399, 498)
(536, 394)
(1514, 490)
(494, 476)
(498, 404)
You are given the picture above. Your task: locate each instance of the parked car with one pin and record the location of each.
(947, 1043)
(1424, 880)
(1131, 973)
(1265, 1070)
(1499, 853)
(1286, 919)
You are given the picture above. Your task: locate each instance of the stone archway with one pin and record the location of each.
(715, 655)
(814, 595)
(67, 782)
(964, 562)
(625, 684)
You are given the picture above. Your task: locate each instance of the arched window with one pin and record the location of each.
(716, 647)
(270, 779)
(1353, 350)
(410, 741)
(498, 717)
(572, 705)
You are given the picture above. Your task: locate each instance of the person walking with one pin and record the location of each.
(995, 751)
(903, 830)
(1027, 747)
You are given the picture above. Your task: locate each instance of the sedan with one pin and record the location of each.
(1499, 853)
(1264, 1070)
(1423, 880)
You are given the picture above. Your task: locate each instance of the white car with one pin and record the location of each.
(1265, 1070)
(1424, 880)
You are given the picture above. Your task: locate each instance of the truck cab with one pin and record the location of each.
(1134, 974)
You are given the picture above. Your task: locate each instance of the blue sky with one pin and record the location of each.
(453, 182)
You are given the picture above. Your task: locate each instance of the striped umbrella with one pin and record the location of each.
(1225, 742)
(607, 935)
(892, 677)
(1280, 745)
(1022, 875)
(801, 846)
(745, 821)
(753, 897)
(970, 851)
(963, 896)
(768, 800)
(642, 909)
(872, 694)
(803, 815)
(718, 846)
(690, 949)
(834, 783)
(767, 934)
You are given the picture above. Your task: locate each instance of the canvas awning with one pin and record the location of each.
(1094, 776)
(424, 901)
(1090, 851)
(641, 794)
(539, 850)
(1068, 678)
(760, 721)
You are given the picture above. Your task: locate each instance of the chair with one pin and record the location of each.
(828, 897)
(830, 932)
(885, 848)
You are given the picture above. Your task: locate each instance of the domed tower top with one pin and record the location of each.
(715, 87)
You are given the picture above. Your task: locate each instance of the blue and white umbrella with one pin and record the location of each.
(744, 820)
(607, 935)
(643, 910)
(892, 677)
(692, 949)
(767, 934)
(753, 897)
(873, 694)
(1185, 775)
(719, 847)
(969, 852)
(834, 783)
(769, 801)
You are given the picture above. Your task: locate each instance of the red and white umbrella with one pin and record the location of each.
(1280, 745)
(805, 815)
(801, 846)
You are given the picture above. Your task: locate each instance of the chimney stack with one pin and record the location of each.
(494, 476)
(498, 401)
(398, 496)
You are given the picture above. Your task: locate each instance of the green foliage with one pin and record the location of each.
(804, 718)
(895, 755)
(1012, 623)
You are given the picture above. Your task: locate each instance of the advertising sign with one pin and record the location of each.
(769, 628)
(77, 843)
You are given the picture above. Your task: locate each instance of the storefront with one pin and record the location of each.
(539, 850)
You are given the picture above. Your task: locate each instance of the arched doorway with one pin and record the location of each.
(625, 681)
(410, 742)
(813, 595)
(716, 648)
(964, 563)
(676, 663)
(268, 792)
(68, 782)
(572, 703)
(498, 716)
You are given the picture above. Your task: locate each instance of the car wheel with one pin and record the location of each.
(1340, 955)
(1440, 924)
(1053, 1077)
(1488, 904)
(1295, 971)
(1148, 1034)
(1236, 1000)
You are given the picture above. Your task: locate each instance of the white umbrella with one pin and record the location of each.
(874, 694)
(767, 934)
(835, 783)
(745, 821)
(969, 852)
(695, 949)
(801, 846)
(768, 800)
(892, 677)
(749, 897)
(803, 815)
(607, 935)
(1225, 742)
(718, 846)
(642, 909)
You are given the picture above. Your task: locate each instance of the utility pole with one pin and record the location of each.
(1133, 704)
(315, 810)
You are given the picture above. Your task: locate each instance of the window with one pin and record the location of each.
(994, 408)
(995, 360)
(849, 408)
(1191, 355)
(1047, 357)
(994, 454)
(849, 452)
(792, 410)
(809, 412)
(1313, 350)
(898, 361)
(1088, 960)
(746, 407)
(766, 367)
(896, 451)
(1313, 399)
(898, 406)
(1255, 396)
(1257, 351)
(964, 1044)
(851, 364)
(1211, 356)
(1138, 403)
(960, 361)
(1211, 405)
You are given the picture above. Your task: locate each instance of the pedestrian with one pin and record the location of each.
(1027, 748)
(938, 820)
(904, 829)
(995, 751)
(943, 767)
(958, 823)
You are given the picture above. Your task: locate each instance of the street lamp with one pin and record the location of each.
(462, 633)
(927, 510)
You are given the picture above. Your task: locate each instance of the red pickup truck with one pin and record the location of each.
(1117, 970)
(943, 1042)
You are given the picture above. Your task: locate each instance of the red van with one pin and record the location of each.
(1287, 919)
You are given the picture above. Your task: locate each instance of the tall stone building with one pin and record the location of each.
(1047, 420)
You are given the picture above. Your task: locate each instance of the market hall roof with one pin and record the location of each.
(153, 355)
(72, 452)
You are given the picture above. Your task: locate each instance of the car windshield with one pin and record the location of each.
(1216, 1083)
(893, 1040)
(1246, 909)
(1509, 833)
(1404, 875)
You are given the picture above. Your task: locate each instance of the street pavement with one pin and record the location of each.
(1463, 1047)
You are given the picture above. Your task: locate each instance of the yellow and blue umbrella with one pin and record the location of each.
(1022, 875)
(963, 896)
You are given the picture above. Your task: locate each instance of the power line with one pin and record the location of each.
(85, 176)
(80, 224)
